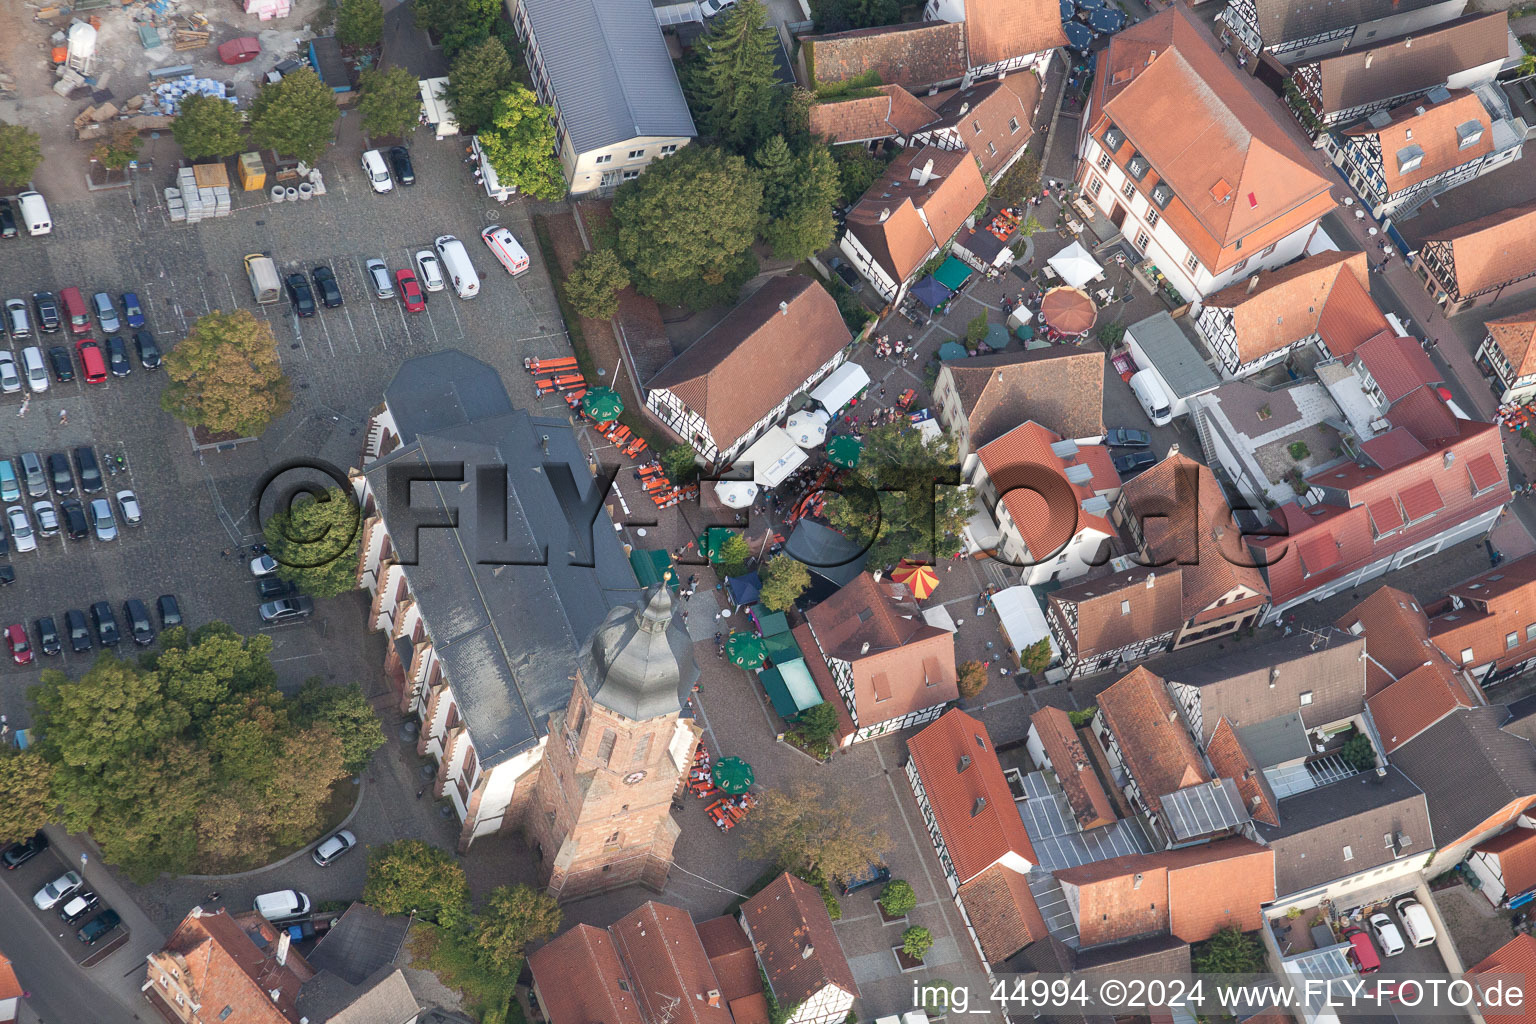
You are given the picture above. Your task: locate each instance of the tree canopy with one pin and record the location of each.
(810, 827)
(346, 712)
(593, 286)
(972, 678)
(315, 542)
(360, 23)
(390, 101)
(784, 580)
(225, 375)
(409, 875)
(295, 116)
(20, 153)
(1229, 951)
(208, 127)
(458, 24)
(478, 79)
(903, 499)
(734, 552)
(842, 15)
(1019, 182)
(26, 794)
(513, 916)
(519, 144)
(857, 170)
(731, 82)
(685, 227)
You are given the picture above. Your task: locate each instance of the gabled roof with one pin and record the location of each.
(756, 356)
(10, 988)
(903, 217)
(1281, 21)
(795, 942)
(1516, 850)
(1496, 607)
(1111, 612)
(1470, 769)
(1492, 250)
(604, 994)
(1417, 701)
(1038, 489)
(1002, 911)
(1237, 176)
(999, 112)
(1396, 632)
(1517, 956)
(1153, 740)
(1412, 63)
(1061, 388)
(968, 795)
(1085, 794)
(1327, 294)
(915, 55)
(1399, 365)
(1186, 521)
(609, 69)
(232, 961)
(1191, 892)
(1516, 338)
(661, 949)
(892, 111)
(998, 30)
(1432, 133)
(731, 957)
(1230, 759)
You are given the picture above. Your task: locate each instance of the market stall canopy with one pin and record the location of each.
(1067, 10)
(435, 107)
(745, 649)
(808, 429)
(828, 554)
(602, 404)
(651, 567)
(773, 457)
(782, 648)
(712, 540)
(953, 274)
(1022, 621)
(919, 578)
(736, 493)
(732, 775)
(841, 386)
(771, 623)
(744, 589)
(930, 293)
(1069, 310)
(790, 688)
(952, 350)
(1106, 21)
(1075, 265)
(844, 450)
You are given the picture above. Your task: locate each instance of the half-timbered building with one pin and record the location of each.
(1480, 262)
(1104, 622)
(1507, 356)
(1295, 32)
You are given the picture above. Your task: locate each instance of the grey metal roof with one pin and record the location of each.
(361, 943)
(1281, 21)
(640, 662)
(608, 65)
(1203, 809)
(1469, 767)
(508, 635)
(1358, 813)
(1276, 740)
(1174, 355)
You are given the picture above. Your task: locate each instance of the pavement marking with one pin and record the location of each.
(352, 327)
(327, 332)
(207, 306)
(436, 338)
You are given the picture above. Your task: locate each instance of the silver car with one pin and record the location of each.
(128, 505)
(10, 380)
(326, 853)
(17, 320)
(47, 518)
(54, 892)
(32, 365)
(378, 277)
(101, 519)
(106, 313)
(21, 528)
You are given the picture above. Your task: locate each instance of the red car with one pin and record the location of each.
(16, 640)
(90, 360)
(410, 291)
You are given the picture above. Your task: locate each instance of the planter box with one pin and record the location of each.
(906, 963)
(886, 918)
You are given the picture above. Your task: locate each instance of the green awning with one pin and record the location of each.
(651, 567)
(952, 274)
(772, 623)
(778, 693)
(952, 350)
(782, 648)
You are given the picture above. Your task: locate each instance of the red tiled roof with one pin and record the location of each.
(10, 988)
(1491, 250)
(1231, 760)
(1111, 612)
(1516, 338)
(1085, 794)
(1484, 472)
(1002, 912)
(909, 665)
(972, 805)
(901, 221)
(1415, 702)
(998, 30)
(1032, 485)
(731, 957)
(892, 111)
(1153, 740)
(661, 948)
(1396, 632)
(1517, 956)
(222, 965)
(1238, 177)
(1061, 388)
(587, 953)
(1424, 414)
(1432, 129)
(1325, 294)
(998, 113)
(1516, 850)
(761, 352)
(915, 55)
(1397, 365)
(1390, 450)
(1495, 604)
(795, 942)
(1420, 499)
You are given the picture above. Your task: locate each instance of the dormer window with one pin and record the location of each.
(1469, 133)
(1409, 158)
(1162, 195)
(1114, 139)
(1138, 166)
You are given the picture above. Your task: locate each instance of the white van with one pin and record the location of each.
(1154, 400)
(1416, 923)
(508, 253)
(34, 213)
(461, 273)
(378, 175)
(278, 907)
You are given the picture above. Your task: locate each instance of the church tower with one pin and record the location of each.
(601, 811)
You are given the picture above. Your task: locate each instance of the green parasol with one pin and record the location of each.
(746, 650)
(711, 540)
(844, 450)
(733, 775)
(602, 404)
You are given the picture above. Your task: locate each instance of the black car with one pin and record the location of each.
(106, 624)
(7, 220)
(117, 357)
(78, 905)
(1127, 437)
(273, 587)
(299, 294)
(58, 472)
(79, 632)
(90, 473)
(63, 365)
(1133, 462)
(47, 308)
(7, 574)
(48, 636)
(170, 611)
(400, 157)
(97, 928)
(138, 622)
(74, 519)
(18, 854)
(149, 352)
(326, 287)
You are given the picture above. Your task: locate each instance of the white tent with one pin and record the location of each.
(1018, 612)
(773, 457)
(1075, 265)
(435, 108)
(808, 429)
(840, 386)
(736, 493)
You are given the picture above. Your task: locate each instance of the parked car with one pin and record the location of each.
(21, 528)
(98, 927)
(289, 609)
(10, 376)
(106, 313)
(274, 586)
(326, 286)
(714, 7)
(90, 473)
(16, 319)
(79, 633)
(1387, 936)
(117, 356)
(278, 907)
(63, 365)
(378, 277)
(128, 505)
(299, 294)
(137, 618)
(377, 174)
(133, 313)
(32, 475)
(10, 484)
(47, 518)
(16, 643)
(170, 611)
(7, 575)
(263, 565)
(74, 519)
(56, 891)
(79, 905)
(35, 370)
(1127, 437)
(410, 291)
(149, 352)
(400, 160)
(47, 309)
(91, 362)
(59, 472)
(48, 636)
(106, 624)
(7, 220)
(328, 851)
(430, 269)
(1133, 462)
(102, 520)
(18, 854)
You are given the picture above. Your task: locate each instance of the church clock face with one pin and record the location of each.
(633, 777)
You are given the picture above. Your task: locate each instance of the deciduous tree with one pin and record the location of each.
(734, 553)
(972, 678)
(360, 23)
(514, 915)
(685, 227)
(225, 375)
(346, 712)
(903, 499)
(298, 788)
(208, 127)
(594, 284)
(315, 542)
(731, 79)
(519, 144)
(680, 462)
(295, 116)
(811, 827)
(118, 149)
(897, 898)
(1019, 183)
(478, 79)
(1037, 656)
(857, 169)
(410, 875)
(26, 794)
(20, 153)
(1229, 951)
(113, 714)
(784, 580)
(390, 101)
(916, 942)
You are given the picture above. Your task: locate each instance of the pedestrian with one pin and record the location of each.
(420, 791)
(63, 417)
(24, 403)
(212, 897)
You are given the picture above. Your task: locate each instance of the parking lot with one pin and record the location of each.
(26, 880)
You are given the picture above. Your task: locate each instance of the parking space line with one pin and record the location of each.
(372, 302)
(234, 302)
(207, 306)
(298, 332)
(353, 328)
(437, 338)
(324, 329)
(404, 325)
(457, 322)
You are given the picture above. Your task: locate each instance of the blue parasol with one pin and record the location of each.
(1106, 21)
(1079, 36)
(930, 293)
